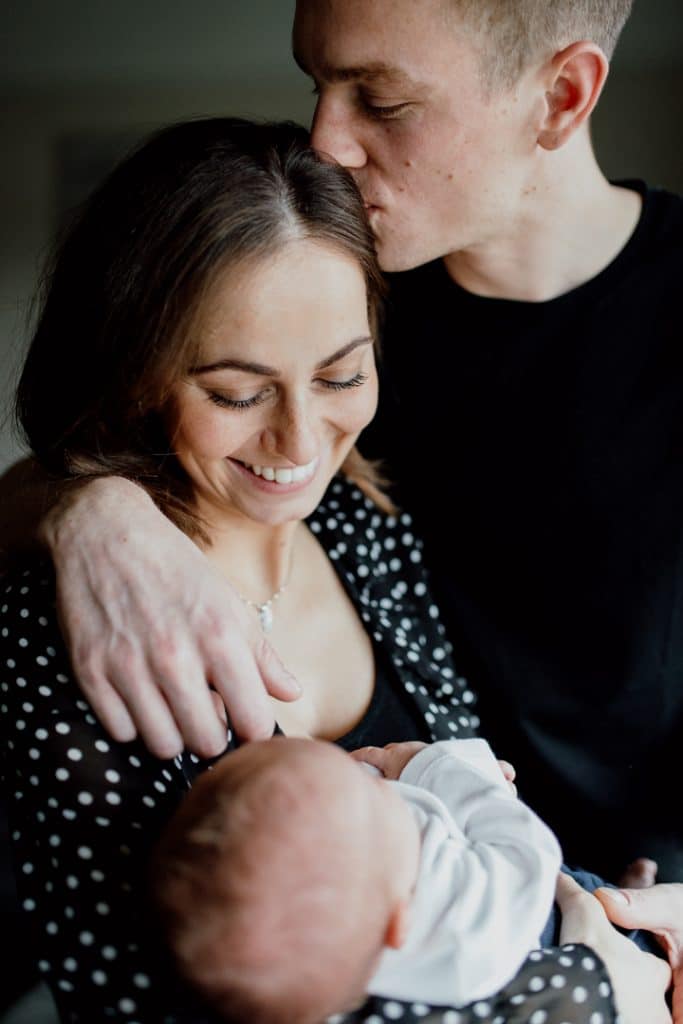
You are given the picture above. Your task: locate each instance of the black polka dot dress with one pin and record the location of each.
(85, 811)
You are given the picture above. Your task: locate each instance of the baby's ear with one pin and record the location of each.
(397, 927)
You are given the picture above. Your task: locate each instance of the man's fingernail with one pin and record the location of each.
(614, 894)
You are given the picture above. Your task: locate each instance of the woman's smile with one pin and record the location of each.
(278, 480)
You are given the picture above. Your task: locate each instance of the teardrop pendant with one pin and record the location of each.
(265, 616)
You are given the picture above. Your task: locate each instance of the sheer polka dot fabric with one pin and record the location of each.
(85, 811)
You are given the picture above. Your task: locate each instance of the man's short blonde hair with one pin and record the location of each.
(516, 33)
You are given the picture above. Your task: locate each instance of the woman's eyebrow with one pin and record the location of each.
(344, 351)
(236, 364)
(270, 371)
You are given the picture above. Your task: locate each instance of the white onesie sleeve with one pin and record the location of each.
(486, 882)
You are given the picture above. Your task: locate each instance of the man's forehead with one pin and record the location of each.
(370, 72)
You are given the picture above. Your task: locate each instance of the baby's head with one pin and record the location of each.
(283, 875)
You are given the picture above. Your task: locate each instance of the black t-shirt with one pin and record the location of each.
(540, 448)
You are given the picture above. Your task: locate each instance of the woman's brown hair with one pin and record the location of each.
(125, 290)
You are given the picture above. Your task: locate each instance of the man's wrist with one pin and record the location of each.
(78, 500)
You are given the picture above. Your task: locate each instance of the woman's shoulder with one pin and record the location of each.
(27, 604)
(348, 522)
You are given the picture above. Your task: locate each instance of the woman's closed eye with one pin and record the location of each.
(226, 402)
(341, 385)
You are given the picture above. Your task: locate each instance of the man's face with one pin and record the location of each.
(400, 103)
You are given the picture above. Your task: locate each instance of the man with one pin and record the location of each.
(540, 450)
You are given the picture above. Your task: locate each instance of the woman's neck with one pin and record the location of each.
(256, 558)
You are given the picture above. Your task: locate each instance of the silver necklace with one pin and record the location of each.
(265, 609)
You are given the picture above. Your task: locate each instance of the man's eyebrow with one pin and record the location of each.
(376, 71)
(270, 371)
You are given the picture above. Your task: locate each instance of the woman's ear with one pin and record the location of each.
(575, 78)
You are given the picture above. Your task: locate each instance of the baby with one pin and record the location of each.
(294, 880)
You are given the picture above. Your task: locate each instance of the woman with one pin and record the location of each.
(208, 331)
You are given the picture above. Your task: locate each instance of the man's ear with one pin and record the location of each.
(397, 928)
(575, 78)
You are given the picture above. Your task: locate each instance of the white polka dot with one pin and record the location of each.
(141, 980)
(99, 977)
(481, 1010)
(558, 981)
(62, 774)
(109, 952)
(394, 1011)
(85, 798)
(86, 938)
(536, 984)
(538, 1017)
(580, 994)
(74, 754)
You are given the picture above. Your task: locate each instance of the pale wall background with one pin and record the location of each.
(94, 68)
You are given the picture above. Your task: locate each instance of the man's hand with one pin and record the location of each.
(658, 909)
(389, 760)
(150, 624)
(640, 980)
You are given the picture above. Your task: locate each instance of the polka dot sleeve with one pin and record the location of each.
(84, 812)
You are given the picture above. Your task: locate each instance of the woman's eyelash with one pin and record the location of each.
(235, 403)
(340, 385)
(248, 403)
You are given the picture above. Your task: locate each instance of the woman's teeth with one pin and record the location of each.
(284, 476)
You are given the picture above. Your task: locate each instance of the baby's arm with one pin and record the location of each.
(487, 880)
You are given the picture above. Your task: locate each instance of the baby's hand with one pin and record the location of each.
(389, 760)
(510, 775)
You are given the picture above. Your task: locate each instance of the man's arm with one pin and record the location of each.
(149, 623)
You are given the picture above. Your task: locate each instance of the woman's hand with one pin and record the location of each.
(640, 980)
(150, 624)
(658, 909)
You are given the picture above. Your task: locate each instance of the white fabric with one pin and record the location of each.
(486, 882)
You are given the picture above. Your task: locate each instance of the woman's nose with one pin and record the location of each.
(334, 133)
(292, 435)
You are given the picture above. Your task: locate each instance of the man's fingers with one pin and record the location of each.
(148, 708)
(238, 682)
(108, 707)
(278, 680)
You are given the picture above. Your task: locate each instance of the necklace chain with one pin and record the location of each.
(264, 609)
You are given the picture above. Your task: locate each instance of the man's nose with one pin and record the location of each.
(335, 134)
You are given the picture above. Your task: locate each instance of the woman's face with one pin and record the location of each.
(285, 382)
